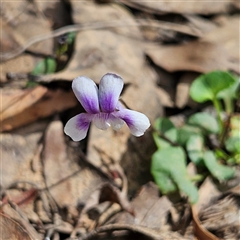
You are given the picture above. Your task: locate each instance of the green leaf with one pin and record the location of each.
(228, 95)
(207, 86)
(233, 144)
(235, 125)
(219, 171)
(186, 186)
(160, 142)
(163, 125)
(205, 121)
(230, 92)
(164, 182)
(169, 169)
(46, 66)
(185, 132)
(167, 128)
(71, 37)
(195, 149)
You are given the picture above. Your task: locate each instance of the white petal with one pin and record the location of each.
(137, 122)
(86, 92)
(77, 127)
(115, 122)
(100, 120)
(110, 87)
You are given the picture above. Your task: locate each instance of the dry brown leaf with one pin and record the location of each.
(221, 217)
(193, 7)
(227, 34)
(219, 211)
(17, 152)
(16, 226)
(200, 232)
(182, 91)
(23, 22)
(215, 50)
(195, 56)
(85, 12)
(63, 172)
(12, 230)
(150, 209)
(22, 107)
(22, 198)
(113, 194)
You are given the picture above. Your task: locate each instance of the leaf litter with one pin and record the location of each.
(101, 188)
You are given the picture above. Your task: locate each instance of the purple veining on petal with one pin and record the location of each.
(89, 104)
(137, 122)
(77, 126)
(83, 121)
(110, 88)
(108, 103)
(86, 92)
(101, 120)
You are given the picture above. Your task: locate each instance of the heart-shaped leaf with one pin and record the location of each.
(207, 86)
(219, 171)
(233, 144)
(169, 170)
(195, 149)
(185, 132)
(205, 121)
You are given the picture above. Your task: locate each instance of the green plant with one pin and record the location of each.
(193, 141)
(51, 64)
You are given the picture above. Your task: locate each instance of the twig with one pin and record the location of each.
(114, 227)
(96, 25)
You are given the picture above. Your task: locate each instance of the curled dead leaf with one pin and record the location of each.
(200, 232)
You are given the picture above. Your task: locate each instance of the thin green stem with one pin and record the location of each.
(228, 105)
(196, 178)
(218, 108)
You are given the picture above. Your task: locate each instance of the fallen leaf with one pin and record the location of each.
(26, 22)
(182, 91)
(17, 151)
(150, 209)
(65, 172)
(198, 56)
(193, 7)
(22, 198)
(215, 50)
(200, 232)
(12, 230)
(22, 107)
(113, 194)
(14, 226)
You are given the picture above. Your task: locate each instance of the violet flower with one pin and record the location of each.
(103, 108)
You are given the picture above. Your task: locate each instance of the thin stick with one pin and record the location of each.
(97, 25)
(114, 227)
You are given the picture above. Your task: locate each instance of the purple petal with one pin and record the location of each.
(137, 122)
(77, 127)
(86, 92)
(110, 87)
